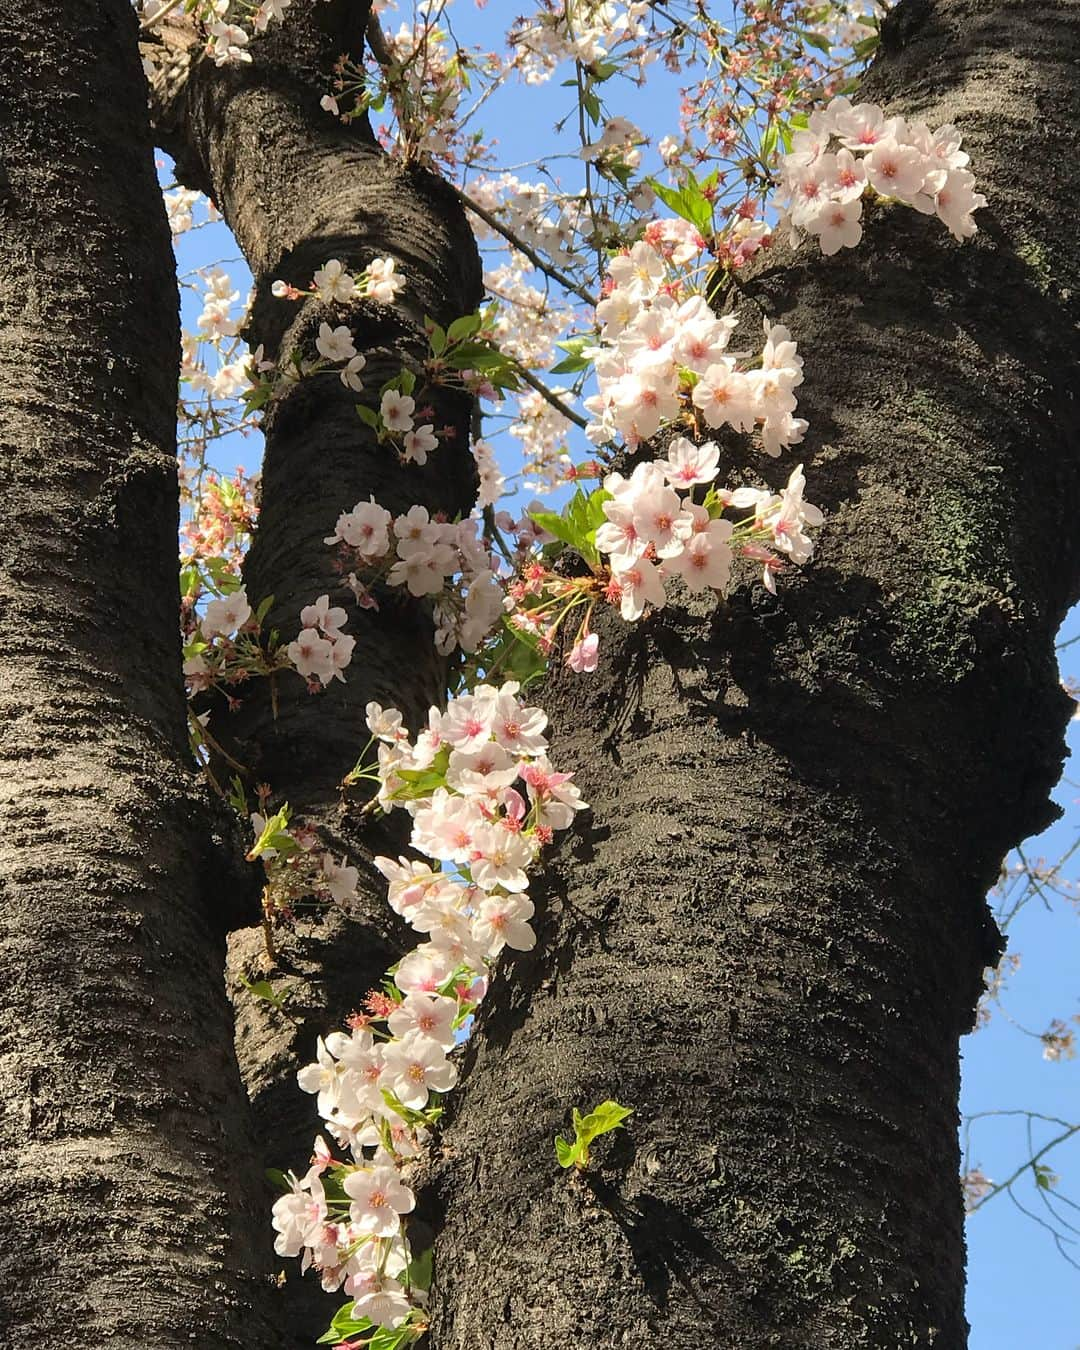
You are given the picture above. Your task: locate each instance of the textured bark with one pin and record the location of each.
(126, 1218)
(297, 188)
(770, 934)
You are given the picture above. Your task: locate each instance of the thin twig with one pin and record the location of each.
(522, 247)
(547, 395)
(155, 19)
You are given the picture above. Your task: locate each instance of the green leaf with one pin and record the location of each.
(421, 1268)
(275, 836)
(368, 416)
(818, 40)
(189, 581)
(867, 46)
(688, 202)
(345, 1325)
(437, 338)
(264, 990)
(221, 574)
(567, 1154)
(465, 327)
(278, 1180)
(601, 1119)
(573, 360)
(423, 782)
(578, 522)
(591, 104)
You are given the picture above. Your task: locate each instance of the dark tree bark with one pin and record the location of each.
(127, 1217)
(771, 933)
(297, 187)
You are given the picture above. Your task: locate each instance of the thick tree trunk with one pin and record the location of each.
(296, 188)
(126, 1209)
(770, 934)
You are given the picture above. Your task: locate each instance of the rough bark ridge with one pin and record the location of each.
(296, 188)
(771, 934)
(126, 1217)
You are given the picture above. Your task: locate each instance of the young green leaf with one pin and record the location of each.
(601, 1119)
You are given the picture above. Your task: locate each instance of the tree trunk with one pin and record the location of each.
(297, 187)
(770, 934)
(127, 1208)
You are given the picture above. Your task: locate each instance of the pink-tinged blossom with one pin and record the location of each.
(332, 283)
(639, 585)
(425, 971)
(444, 827)
(499, 858)
(790, 517)
(350, 374)
(895, 170)
(429, 1015)
(339, 879)
(515, 727)
(226, 614)
(323, 615)
(298, 1216)
(396, 410)
(341, 655)
(706, 561)
(365, 528)
(688, 464)
(639, 273)
(380, 1298)
(724, 394)
(419, 443)
(378, 1199)
(584, 655)
(483, 771)
(410, 882)
(328, 1077)
(335, 344)
(503, 920)
(415, 1066)
(837, 225)
(384, 283)
(385, 725)
(312, 656)
(955, 202)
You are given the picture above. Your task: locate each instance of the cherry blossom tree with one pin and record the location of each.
(768, 930)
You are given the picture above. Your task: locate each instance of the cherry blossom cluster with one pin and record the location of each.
(663, 354)
(588, 32)
(222, 645)
(447, 559)
(484, 799)
(333, 284)
(848, 150)
(321, 651)
(652, 532)
(397, 414)
(226, 42)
